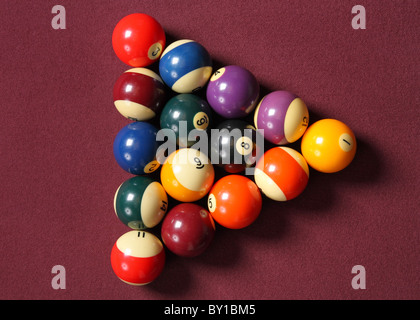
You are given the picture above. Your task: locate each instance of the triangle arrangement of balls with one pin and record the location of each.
(187, 174)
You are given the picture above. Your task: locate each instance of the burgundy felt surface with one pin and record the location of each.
(59, 175)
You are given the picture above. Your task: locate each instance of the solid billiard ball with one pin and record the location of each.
(283, 116)
(138, 40)
(185, 66)
(135, 148)
(187, 175)
(235, 201)
(137, 257)
(282, 173)
(139, 94)
(233, 145)
(187, 230)
(233, 92)
(329, 145)
(140, 202)
(184, 113)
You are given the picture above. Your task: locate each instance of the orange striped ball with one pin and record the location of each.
(282, 173)
(187, 175)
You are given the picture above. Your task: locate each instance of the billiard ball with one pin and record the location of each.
(185, 66)
(187, 230)
(233, 92)
(282, 173)
(329, 145)
(184, 113)
(235, 201)
(138, 40)
(135, 148)
(187, 175)
(139, 94)
(137, 257)
(140, 202)
(283, 116)
(233, 145)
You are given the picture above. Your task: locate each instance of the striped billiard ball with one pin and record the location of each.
(139, 94)
(140, 202)
(282, 173)
(187, 175)
(137, 257)
(283, 116)
(185, 66)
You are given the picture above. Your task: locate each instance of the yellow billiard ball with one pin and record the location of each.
(328, 145)
(187, 175)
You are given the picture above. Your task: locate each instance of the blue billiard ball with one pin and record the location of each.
(135, 148)
(185, 66)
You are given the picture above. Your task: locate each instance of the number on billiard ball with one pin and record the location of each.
(187, 175)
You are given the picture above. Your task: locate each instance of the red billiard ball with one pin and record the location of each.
(235, 202)
(137, 257)
(138, 40)
(139, 94)
(282, 173)
(188, 230)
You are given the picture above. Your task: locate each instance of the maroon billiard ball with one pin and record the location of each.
(139, 94)
(188, 230)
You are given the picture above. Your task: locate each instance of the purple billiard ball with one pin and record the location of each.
(283, 116)
(233, 92)
(187, 230)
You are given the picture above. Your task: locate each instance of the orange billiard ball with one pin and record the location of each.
(328, 145)
(235, 201)
(187, 175)
(282, 173)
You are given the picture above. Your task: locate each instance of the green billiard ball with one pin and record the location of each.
(184, 113)
(140, 202)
